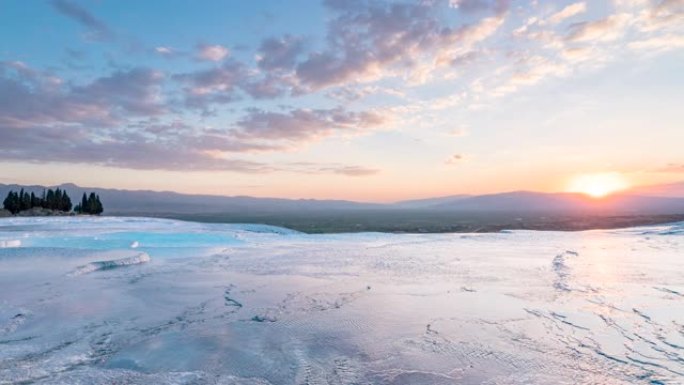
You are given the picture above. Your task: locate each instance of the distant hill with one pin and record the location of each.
(518, 201)
(144, 202)
(119, 202)
(671, 190)
(567, 203)
(431, 202)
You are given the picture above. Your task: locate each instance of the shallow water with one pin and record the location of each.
(147, 301)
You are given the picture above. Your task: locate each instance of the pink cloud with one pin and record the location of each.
(212, 52)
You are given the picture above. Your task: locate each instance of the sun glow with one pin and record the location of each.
(598, 185)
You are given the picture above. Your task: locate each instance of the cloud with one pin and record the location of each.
(530, 70)
(167, 52)
(140, 155)
(664, 16)
(269, 87)
(458, 132)
(658, 43)
(567, 12)
(212, 52)
(368, 41)
(139, 117)
(630, 3)
(135, 92)
(230, 82)
(166, 146)
(328, 168)
(29, 97)
(365, 42)
(304, 124)
(674, 168)
(470, 6)
(97, 29)
(146, 144)
(606, 29)
(454, 159)
(668, 7)
(216, 85)
(353, 171)
(120, 120)
(586, 45)
(279, 53)
(351, 93)
(372, 40)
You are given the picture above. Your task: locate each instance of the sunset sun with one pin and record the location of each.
(598, 185)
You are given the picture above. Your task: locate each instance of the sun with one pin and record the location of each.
(598, 185)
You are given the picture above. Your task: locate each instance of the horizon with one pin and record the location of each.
(647, 190)
(365, 101)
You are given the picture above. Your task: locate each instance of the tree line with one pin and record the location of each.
(57, 199)
(89, 205)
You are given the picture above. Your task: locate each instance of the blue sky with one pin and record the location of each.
(368, 100)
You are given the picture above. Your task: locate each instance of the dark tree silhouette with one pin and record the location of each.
(11, 203)
(90, 204)
(49, 199)
(24, 200)
(54, 200)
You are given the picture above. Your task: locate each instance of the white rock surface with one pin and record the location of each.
(231, 304)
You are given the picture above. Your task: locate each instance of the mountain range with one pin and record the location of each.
(660, 199)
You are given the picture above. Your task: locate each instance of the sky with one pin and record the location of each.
(362, 100)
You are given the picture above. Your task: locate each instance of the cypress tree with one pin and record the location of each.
(49, 199)
(34, 200)
(98, 205)
(12, 202)
(92, 204)
(66, 202)
(16, 203)
(58, 199)
(23, 204)
(84, 204)
(8, 203)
